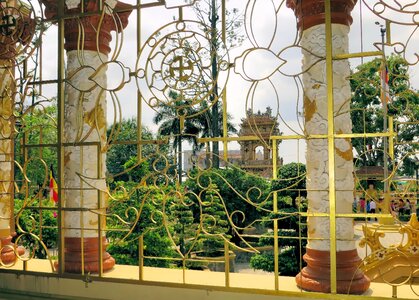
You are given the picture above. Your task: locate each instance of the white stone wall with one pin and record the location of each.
(84, 121)
(315, 110)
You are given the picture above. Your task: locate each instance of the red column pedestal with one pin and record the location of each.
(9, 251)
(74, 259)
(316, 276)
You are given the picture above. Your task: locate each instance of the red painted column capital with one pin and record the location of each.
(21, 32)
(312, 12)
(81, 32)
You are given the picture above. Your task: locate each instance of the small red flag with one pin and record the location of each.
(53, 188)
(385, 89)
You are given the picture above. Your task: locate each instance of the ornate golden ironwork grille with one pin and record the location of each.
(124, 106)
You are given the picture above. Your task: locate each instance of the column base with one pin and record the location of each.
(73, 256)
(9, 250)
(316, 276)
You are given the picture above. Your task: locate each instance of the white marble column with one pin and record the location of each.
(311, 15)
(85, 126)
(315, 112)
(85, 131)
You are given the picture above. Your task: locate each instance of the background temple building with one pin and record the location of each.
(234, 157)
(254, 155)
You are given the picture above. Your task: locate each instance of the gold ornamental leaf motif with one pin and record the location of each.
(96, 117)
(346, 155)
(120, 76)
(5, 129)
(5, 106)
(93, 223)
(67, 157)
(261, 36)
(5, 146)
(266, 60)
(310, 108)
(371, 238)
(80, 79)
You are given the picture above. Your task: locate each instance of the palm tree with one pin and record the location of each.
(204, 122)
(170, 125)
(199, 126)
(207, 13)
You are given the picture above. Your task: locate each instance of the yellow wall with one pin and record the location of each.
(66, 288)
(56, 288)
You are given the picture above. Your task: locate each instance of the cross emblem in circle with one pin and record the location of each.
(179, 66)
(8, 23)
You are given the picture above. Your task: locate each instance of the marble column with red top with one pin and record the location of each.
(87, 45)
(311, 24)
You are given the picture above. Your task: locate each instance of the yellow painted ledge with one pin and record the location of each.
(161, 284)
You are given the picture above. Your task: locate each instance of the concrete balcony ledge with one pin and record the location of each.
(122, 282)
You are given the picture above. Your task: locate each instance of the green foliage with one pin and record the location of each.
(119, 153)
(214, 222)
(291, 181)
(291, 227)
(367, 112)
(289, 264)
(184, 228)
(37, 126)
(236, 187)
(36, 225)
(144, 201)
(136, 172)
(263, 261)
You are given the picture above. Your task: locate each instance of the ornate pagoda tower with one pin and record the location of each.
(256, 155)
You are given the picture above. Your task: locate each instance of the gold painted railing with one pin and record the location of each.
(100, 99)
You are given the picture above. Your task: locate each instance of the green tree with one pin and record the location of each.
(37, 127)
(147, 223)
(214, 222)
(36, 225)
(184, 228)
(136, 172)
(292, 229)
(291, 181)
(292, 242)
(207, 13)
(367, 112)
(121, 152)
(240, 191)
(173, 123)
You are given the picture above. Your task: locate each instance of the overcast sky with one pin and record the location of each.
(280, 93)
